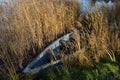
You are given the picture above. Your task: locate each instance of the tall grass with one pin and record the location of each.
(100, 39)
(30, 26)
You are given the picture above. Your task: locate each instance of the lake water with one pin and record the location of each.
(86, 3)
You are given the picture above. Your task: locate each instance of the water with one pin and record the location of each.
(86, 3)
(3, 2)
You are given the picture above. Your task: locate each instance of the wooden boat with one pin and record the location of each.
(43, 60)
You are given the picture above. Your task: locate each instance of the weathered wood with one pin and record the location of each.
(42, 58)
(36, 70)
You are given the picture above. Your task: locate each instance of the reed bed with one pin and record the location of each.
(99, 37)
(27, 27)
(32, 25)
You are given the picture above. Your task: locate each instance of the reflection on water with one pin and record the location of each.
(100, 3)
(86, 3)
(2, 2)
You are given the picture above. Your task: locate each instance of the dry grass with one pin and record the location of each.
(33, 25)
(30, 27)
(99, 37)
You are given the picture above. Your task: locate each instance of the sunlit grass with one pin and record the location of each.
(30, 27)
(33, 25)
